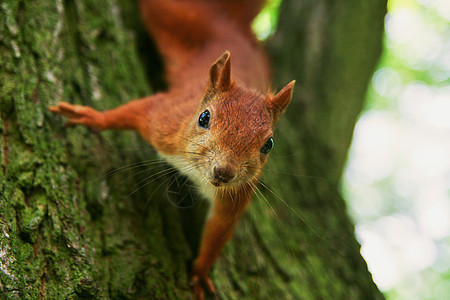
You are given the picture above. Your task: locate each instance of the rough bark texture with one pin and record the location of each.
(69, 231)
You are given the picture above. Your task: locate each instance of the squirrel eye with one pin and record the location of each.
(203, 120)
(267, 146)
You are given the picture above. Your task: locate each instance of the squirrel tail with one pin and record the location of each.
(243, 11)
(179, 26)
(176, 26)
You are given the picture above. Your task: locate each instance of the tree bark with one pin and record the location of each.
(89, 215)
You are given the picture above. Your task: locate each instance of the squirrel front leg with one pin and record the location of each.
(132, 115)
(228, 206)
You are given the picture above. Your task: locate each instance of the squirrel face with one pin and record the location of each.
(231, 137)
(232, 132)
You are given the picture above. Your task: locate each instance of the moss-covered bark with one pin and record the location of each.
(67, 230)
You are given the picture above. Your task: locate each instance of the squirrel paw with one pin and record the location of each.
(79, 115)
(197, 284)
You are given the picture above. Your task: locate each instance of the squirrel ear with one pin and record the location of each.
(280, 101)
(220, 73)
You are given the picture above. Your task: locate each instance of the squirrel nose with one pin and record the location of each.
(223, 173)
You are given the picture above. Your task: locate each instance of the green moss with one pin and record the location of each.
(54, 247)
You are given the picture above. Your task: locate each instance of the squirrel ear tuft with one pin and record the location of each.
(280, 101)
(220, 73)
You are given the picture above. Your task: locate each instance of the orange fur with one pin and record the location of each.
(224, 159)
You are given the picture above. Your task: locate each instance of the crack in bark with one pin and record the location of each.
(35, 95)
(280, 270)
(41, 289)
(72, 18)
(36, 243)
(235, 283)
(5, 145)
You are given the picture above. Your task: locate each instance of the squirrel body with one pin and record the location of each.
(214, 123)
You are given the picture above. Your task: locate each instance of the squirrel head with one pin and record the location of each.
(231, 133)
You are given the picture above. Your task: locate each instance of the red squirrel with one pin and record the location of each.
(215, 122)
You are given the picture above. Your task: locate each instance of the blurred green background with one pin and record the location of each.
(397, 179)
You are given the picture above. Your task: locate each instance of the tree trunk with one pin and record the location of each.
(89, 215)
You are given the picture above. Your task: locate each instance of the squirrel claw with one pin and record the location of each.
(196, 283)
(79, 115)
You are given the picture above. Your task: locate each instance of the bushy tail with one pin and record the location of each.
(175, 25)
(179, 25)
(243, 11)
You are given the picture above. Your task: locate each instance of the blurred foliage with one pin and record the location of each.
(414, 54)
(397, 179)
(266, 22)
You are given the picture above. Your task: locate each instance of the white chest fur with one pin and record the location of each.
(186, 168)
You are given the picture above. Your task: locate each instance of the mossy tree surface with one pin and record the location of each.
(70, 231)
